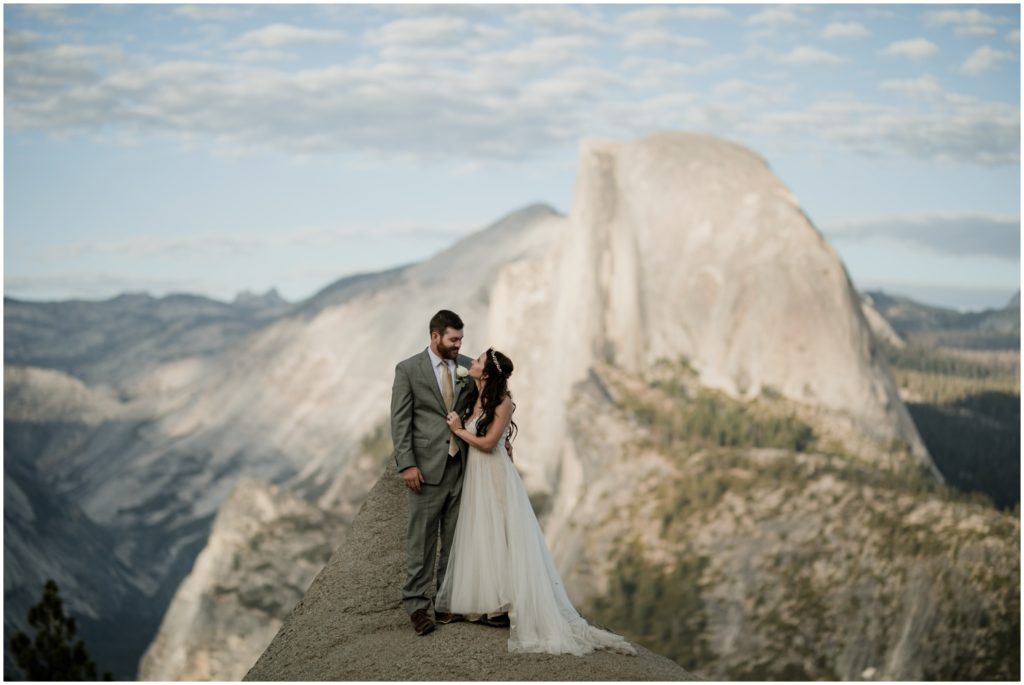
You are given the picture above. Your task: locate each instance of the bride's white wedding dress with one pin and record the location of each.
(499, 562)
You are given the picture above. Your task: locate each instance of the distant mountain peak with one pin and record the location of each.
(251, 300)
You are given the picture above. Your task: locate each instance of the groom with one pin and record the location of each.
(430, 458)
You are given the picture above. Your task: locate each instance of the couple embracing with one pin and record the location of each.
(451, 423)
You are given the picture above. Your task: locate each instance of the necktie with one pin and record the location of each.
(448, 395)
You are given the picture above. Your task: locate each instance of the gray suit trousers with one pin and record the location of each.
(433, 513)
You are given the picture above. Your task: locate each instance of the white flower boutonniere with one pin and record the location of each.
(461, 373)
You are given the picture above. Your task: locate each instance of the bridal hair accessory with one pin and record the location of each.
(495, 360)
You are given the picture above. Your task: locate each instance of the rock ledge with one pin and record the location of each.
(350, 625)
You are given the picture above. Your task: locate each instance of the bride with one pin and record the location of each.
(499, 563)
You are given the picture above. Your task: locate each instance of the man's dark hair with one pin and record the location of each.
(445, 319)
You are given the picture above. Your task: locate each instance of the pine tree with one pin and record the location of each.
(53, 654)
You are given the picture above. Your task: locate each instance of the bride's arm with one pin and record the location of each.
(498, 427)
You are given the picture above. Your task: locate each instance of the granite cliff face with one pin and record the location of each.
(684, 245)
(264, 548)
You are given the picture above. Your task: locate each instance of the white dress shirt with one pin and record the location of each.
(435, 361)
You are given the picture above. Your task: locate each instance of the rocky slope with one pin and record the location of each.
(350, 625)
(264, 548)
(727, 536)
(47, 414)
(48, 537)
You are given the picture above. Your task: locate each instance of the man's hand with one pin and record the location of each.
(508, 448)
(413, 478)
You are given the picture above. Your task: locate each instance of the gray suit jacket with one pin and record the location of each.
(418, 427)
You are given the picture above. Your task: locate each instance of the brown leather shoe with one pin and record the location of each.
(421, 622)
(448, 617)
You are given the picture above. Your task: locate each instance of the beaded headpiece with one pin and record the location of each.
(495, 360)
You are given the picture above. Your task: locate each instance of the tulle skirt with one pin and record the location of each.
(499, 563)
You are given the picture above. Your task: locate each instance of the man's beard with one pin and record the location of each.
(447, 352)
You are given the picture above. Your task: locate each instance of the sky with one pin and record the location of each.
(215, 149)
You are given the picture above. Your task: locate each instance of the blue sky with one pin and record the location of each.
(219, 148)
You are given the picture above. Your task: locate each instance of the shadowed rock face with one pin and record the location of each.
(350, 625)
(265, 547)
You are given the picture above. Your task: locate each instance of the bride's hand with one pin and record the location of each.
(454, 422)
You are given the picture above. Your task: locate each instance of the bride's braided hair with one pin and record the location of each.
(497, 368)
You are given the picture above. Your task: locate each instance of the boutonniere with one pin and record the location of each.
(461, 374)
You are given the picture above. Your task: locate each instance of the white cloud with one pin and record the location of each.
(229, 243)
(483, 109)
(641, 116)
(653, 38)
(15, 40)
(659, 14)
(542, 53)
(954, 128)
(97, 285)
(976, 31)
(877, 12)
(34, 72)
(703, 13)
(653, 74)
(567, 90)
(165, 245)
(283, 35)
(914, 48)
(661, 74)
(1013, 36)
(970, 22)
(269, 56)
(778, 16)
(435, 39)
(983, 59)
(212, 12)
(753, 94)
(956, 235)
(805, 54)
(925, 86)
(441, 30)
(49, 13)
(492, 35)
(648, 16)
(845, 29)
(503, 104)
(560, 19)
